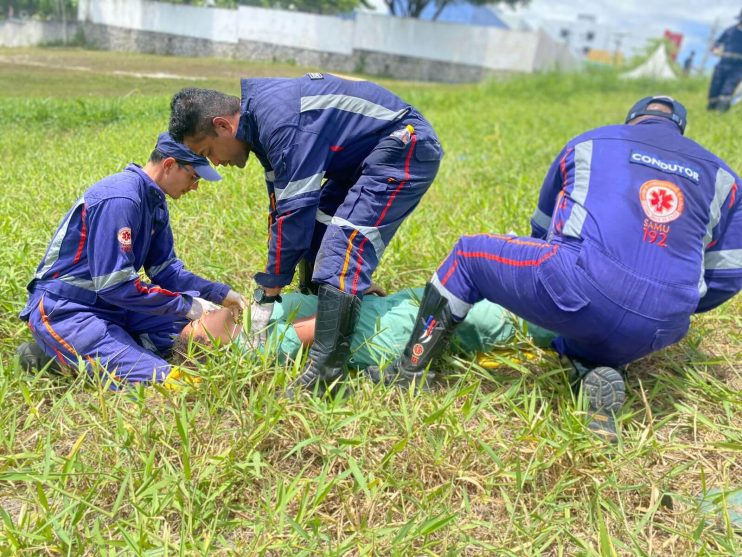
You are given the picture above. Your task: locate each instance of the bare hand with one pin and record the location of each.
(376, 290)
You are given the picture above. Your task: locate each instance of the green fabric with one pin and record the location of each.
(716, 502)
(385, 325)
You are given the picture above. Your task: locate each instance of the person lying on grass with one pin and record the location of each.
(87, 305)
(383, 327)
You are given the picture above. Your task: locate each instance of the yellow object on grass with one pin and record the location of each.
(178, 378)
(499, 358)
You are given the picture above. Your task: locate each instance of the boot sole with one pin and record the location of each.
(605, 390)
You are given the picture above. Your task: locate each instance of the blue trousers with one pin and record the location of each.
(355, 225)
(603, 313)
(123, 345)
(724, 81)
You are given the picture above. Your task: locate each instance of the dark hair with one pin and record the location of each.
(156, 157)
(192, 111)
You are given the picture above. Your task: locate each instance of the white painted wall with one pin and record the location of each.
(192, 21)
(486, 47)
(296, 29)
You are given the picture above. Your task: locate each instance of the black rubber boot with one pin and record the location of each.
(434, 326)
(32, 357)
(605, 392)
(337, 314)
(306, 270)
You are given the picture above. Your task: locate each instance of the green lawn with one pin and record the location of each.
(500, 463)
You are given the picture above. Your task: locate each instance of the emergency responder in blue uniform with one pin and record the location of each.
(345, 163)
(728, 72)
(637, 228)
(87, 302)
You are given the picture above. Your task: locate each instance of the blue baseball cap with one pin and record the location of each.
(678, 115)
(168, 147)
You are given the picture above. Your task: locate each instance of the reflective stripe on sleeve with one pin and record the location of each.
(323, 217)
(300, 187)
(723, 259)
(541, 219)
(154, 271)
(722, 187)
(113, 279)
(348, 103)
(583, 160)
(52, 256)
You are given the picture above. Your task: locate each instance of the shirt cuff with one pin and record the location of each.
(268, 280)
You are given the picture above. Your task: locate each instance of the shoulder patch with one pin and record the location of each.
(124, 238)
(313, 75)
(671, 167)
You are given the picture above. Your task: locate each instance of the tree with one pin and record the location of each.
(414, 8)
(44, 9)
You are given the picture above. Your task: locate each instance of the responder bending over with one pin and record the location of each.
(345, 163)
(637, 228)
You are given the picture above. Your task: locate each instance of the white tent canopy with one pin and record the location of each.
(657, 66)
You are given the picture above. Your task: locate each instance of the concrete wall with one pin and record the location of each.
(368, 43)
(29, 32)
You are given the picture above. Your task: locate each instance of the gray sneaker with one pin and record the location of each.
(606, 393)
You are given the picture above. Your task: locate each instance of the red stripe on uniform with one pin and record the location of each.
(83, 235)
(563, 166)
(52, 332)
(402, 183)
(359, 259)
(278, 246)
(506, 261)
(359, 262)
(154, 289)
(512, 240)
(733, 197)
(450, 272)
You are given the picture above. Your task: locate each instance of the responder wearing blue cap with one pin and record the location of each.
(728, 72)
(637, 228)
(87, 304)
(345, 161)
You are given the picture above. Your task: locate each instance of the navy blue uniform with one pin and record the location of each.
(637, 228)
(728, 72)
(87, 301)
(345, 163)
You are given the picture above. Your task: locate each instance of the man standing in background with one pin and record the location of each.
(728, 72)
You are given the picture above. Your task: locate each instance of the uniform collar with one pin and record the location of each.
(154, 193)
(659, 121)
(247, 129)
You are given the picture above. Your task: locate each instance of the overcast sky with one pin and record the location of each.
(644, 19)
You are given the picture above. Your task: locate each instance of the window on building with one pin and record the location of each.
(564, 33)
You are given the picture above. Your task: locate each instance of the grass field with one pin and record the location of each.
(499, 464)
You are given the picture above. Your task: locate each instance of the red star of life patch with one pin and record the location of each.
(124, 238)
(661, 200)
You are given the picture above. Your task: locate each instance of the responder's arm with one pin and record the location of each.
(554, 181)
(112, 228)
(165, 269)
(723, 258)
(298, 161)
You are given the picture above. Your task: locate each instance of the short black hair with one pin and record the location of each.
(157, 157)
(192, 111)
